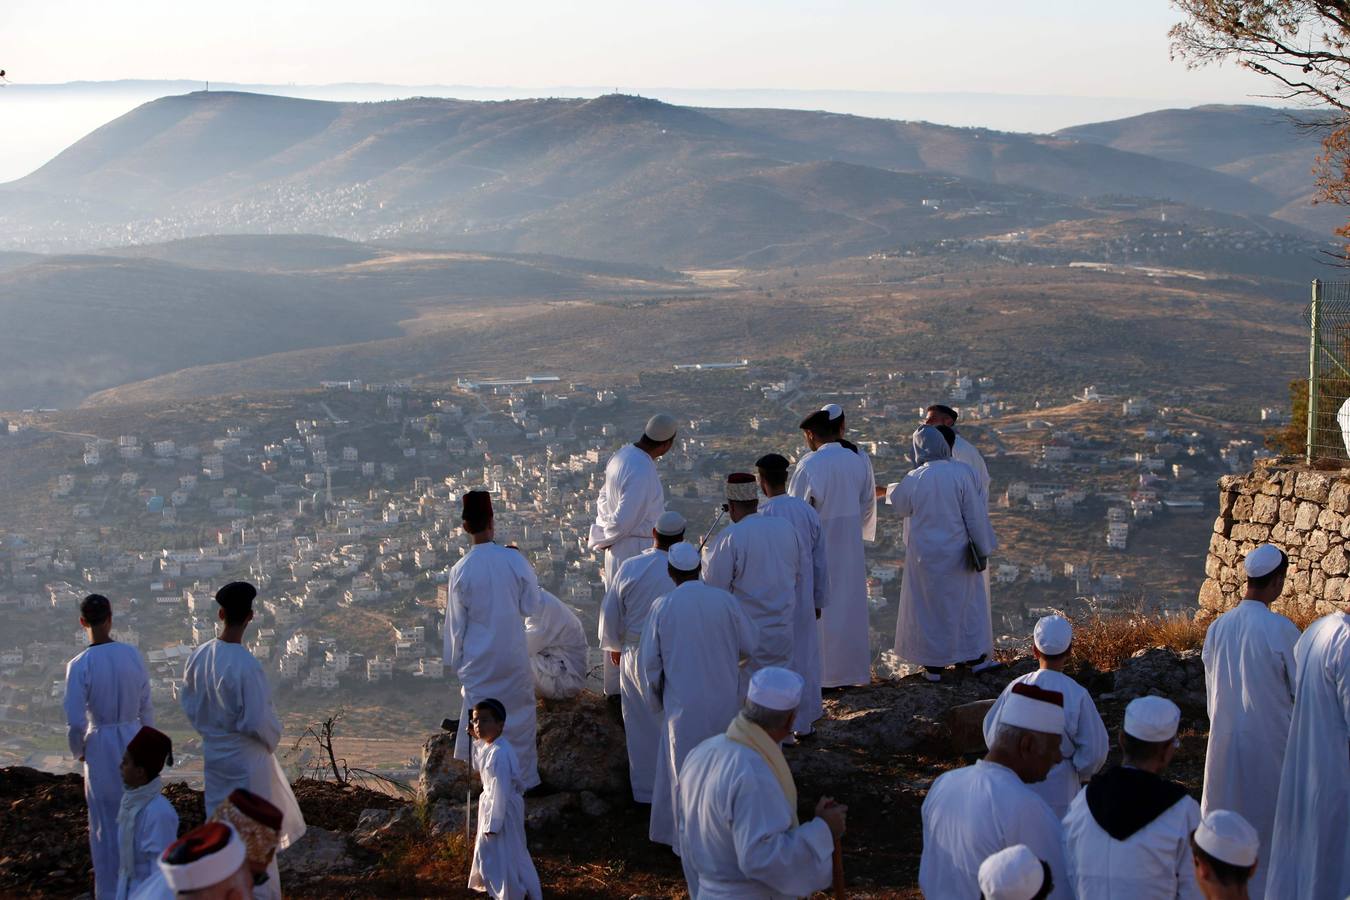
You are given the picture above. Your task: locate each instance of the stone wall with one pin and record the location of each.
(1306, 513)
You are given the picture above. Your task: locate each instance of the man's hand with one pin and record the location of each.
(881, 491)
(834, 815)
(614, 656)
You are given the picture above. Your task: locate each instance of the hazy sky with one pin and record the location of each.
(1078, 47)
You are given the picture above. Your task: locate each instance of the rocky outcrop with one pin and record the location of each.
(1180, 677)
(1304, 512)
(581, 746)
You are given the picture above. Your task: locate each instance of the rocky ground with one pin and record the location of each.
(878, 750)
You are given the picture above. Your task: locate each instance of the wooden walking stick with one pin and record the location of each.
(838, 870)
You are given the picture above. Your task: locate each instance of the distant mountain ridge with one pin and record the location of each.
(615, 178)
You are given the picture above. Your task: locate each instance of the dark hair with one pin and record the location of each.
(494, 706)
(944, 410)
(948, 435)
(666, 541)
(1137, 749)
(96, 609)
(773, 468)
(1263, 581)
(236, 599)
(477, 523)
(1227, 873)
(820, 424)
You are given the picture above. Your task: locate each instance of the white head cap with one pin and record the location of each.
(1034, 709)
(683, 556)
(1152, 719)
(671, 523)
(776, 688)
(660, 427)
(832, 410)
(1053, 635)
(1012, 874)
(205, 856)
(1228, 837)
(1263, 560)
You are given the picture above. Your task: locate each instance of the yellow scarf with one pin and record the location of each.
(743, 731)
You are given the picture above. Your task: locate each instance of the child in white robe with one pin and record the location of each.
(147, 823)
(501, 860)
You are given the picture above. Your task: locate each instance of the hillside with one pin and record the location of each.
(617, 177)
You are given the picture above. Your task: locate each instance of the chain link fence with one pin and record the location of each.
(1328, 406)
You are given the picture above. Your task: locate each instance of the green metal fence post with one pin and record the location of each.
(1314, 318)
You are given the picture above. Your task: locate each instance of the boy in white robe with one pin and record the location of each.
(812, 582)
(1249, 680)
(147, 823)
(623, 616)
(492, 591)
(1086, 742)
(501, 866)
(973, 812)
(690, 657)
(1311, 853)
(107, 701)
(631, 500)
(1127, 835)
(226, 697)
(738, 829)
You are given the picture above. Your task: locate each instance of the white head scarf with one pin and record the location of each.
(929, 446)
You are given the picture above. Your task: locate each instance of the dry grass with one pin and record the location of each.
(1105, 640)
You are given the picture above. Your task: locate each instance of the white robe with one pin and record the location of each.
(491, 591)
(1154, 863)
(690, 657)
(225, 696)
(1310, 853)
(623, 615)
(1085, 745)
(557, 646)
(737, 840)
(839, 484)
(155, 829)
(1249, 679)
(630, 502)
(812, 595)
(758, 561)
(971, 814)
(944, 613)
(964, 451)
(501, 859)
(107, 701)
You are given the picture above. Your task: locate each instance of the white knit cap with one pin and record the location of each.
(1228, 837)
(660, 427)
(205, 856)
(683, 556)
(832, 411)
(776, 688)
(1263, 560)
(1012, 874)
(1053, 635)
(1034, 709)
(671, 523)
(1152, 719)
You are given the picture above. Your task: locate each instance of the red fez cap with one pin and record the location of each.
(256, 808)
(205, 856)
(151, 750)
(477, 505)
(740, 478)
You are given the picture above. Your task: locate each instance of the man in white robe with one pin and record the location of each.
(1128, 834)
(492, 589)
(812, 582)
(690, 657)
(630, 502)
(1086, 742)
(226, 698)
(758, 560)
(974, 812)
(556, 642)
(1311, 853)
(740, 838)
(107, 701)
(623, 616)
(1249, 678)
(944, 615)
(839, 484)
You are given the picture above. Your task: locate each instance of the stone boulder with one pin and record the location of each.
(319, 853)
(965, 727)
(446, 819)
(379, 830)
(442, 776)
(1178, 676)
(547, 811)
(582, 747)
